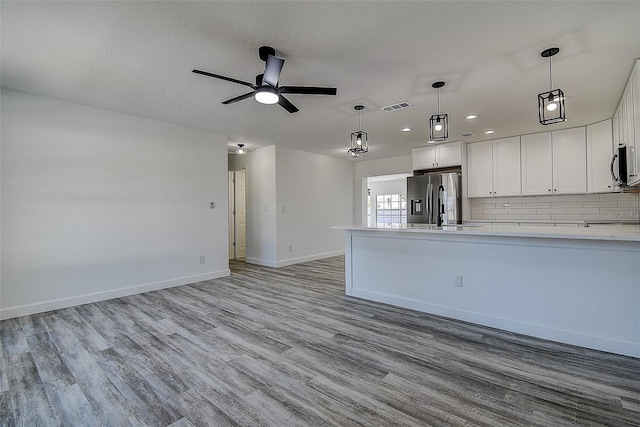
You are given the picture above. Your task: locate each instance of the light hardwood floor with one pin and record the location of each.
(285, 347)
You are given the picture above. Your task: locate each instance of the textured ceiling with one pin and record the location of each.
(136, 57)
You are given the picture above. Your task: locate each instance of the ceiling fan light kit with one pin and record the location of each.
(266, 95)
(359, 139)
(551, 104)
(438, 123)
(266, 89)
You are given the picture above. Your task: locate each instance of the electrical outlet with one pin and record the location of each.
(265, 208)
(458, 282)
(202, 259)
(212, 205)
(290, 248)
(283, 209)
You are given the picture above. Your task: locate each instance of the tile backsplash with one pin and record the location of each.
(588, 207)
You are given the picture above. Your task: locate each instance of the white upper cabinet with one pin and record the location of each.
(599, 154)
(506, 167)
(636, 121)
(537, 164)
(437, 156)
(626, 123)
(569, 161)
(449, 154)
(480, 169)
(629, 133)
(493, 168)
(554, 162)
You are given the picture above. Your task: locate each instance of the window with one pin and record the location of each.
(391, 210)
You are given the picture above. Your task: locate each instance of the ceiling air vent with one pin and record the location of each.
(396, 107)
(467, 134)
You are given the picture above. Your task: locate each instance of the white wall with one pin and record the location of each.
(98, 204)
(366, 168)
(261, 206)
(293, 199)
(314, 193)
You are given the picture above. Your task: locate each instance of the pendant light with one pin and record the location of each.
(359, 143)
(551, 104)
(438, 123)
(241, 149)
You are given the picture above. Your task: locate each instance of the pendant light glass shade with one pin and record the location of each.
(438, 123)
(241, 149)
(551, 104)
(359, 142)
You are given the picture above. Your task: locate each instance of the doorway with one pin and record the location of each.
(385, 198)
(237, 215)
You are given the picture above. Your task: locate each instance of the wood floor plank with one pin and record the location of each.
(285, 346)
(109, 405)
(72, 406)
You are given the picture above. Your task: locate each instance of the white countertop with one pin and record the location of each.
(611, 232)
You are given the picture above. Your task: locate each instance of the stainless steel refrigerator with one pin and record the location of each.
(435, 198)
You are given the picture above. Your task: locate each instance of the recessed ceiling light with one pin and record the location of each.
(471, 116)
(406, 129)
(489, 131)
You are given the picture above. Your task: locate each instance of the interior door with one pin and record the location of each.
(232, 225)
(241, 215)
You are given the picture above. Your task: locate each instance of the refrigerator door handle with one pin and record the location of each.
(429, 202)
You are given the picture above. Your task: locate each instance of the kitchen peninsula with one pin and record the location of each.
(572, 284)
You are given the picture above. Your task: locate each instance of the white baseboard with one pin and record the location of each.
(291, 261)
(315, 257)
(40, 307)
(259, 261)
(602, 343)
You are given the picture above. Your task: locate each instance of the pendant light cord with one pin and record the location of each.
(438, 103)
(550, 81)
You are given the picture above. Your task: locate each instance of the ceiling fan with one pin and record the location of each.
(266, 89)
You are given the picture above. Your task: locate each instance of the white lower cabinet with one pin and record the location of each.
(554, 162)
(599, 153)
(493, 168)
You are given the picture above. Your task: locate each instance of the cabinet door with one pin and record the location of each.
(616, 129)
(599, 154)
(536, 163)
(569, 161)
(449, 154)
(630, 133)
(506, 167)
(424, 157)
(480, 169)
(636, 125)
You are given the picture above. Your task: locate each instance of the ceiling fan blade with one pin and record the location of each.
(238, 98)
(309, 90)
(272, 70)
(284, 103)
(229, 79)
